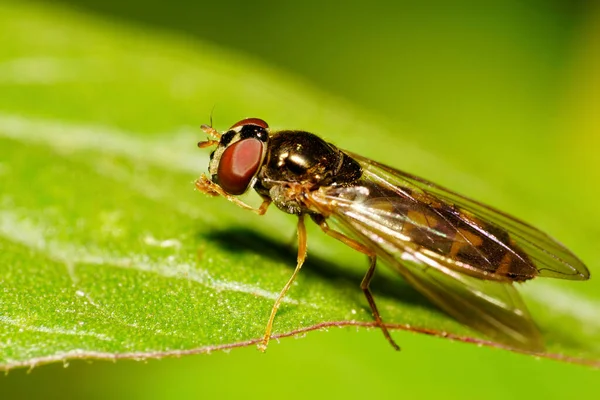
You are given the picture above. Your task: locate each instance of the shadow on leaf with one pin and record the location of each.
(246, 240)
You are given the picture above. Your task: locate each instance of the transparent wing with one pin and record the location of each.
(551, 258)
(492, 307)
(459, 253)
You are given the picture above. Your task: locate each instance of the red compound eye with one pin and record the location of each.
(251, 121)
(238, 165)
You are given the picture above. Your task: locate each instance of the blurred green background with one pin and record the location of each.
(505, 91)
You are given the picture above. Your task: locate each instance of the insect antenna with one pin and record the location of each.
(212, 111)
(210, 131)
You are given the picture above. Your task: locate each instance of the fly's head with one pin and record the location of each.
(239, 155)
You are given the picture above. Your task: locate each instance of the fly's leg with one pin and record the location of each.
(364, 284)
(262, 346)
(206, 186)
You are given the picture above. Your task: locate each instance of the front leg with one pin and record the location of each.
(262, 346)
(205, 185)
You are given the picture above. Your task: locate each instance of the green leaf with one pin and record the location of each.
(106, 251)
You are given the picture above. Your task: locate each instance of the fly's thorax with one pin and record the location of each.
(239, 155)
(301, 157)
(298, 162)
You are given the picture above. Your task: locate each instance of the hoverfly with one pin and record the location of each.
(462, 255)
